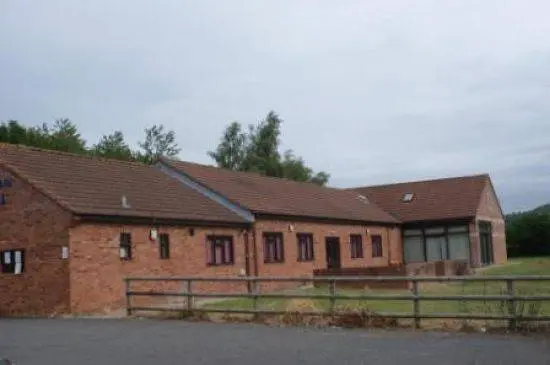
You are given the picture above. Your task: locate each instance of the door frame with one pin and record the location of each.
(333, 241)
(485, 237)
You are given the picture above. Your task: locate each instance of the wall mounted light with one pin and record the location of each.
(153, 234)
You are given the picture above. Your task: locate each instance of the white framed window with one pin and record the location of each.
(12, 261)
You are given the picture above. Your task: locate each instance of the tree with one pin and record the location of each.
(262, 153)
(65, 137)
(528, 233)
(320, 178)
(13, 132)
(294, 168)
(113, 146)
(39, 136)
(258, 151)
(542, 209)
(158, 143)
(231, 152)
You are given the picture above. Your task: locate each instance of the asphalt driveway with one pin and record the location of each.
(140, 342)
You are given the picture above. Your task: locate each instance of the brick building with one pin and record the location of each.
(446, 219)
(73, 226)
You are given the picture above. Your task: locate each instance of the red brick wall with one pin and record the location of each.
(475, 255)
(97, 271)
(489, 210)
(33, 222)
(396, 246)
(391, 237)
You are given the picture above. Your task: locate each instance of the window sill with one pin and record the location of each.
(274, 262)
(220, 264)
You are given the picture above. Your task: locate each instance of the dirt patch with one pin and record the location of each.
(350, 317)
(301, 305)
(298, 313)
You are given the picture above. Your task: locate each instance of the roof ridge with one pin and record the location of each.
(421, 181)
(4, 145)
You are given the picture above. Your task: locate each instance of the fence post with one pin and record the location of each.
(416, 304)
(332, 293)
(190, 298)
(510, 287)
(256, 293)
(128, 302)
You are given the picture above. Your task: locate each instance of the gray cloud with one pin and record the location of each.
(372, 92)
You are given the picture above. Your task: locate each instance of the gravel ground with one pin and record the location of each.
(137, 342)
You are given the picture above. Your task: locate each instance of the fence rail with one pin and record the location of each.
(509, 296)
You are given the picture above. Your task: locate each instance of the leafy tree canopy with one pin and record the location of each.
(157, 143)
(528, 233)
(257, 150)
(64, 136)
(113, 146)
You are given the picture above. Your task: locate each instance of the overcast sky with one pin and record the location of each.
(370, 91)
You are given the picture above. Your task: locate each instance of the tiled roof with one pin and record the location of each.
(95, 186)
(275, 196)
(449, 198)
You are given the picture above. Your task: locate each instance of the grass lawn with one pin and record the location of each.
(526, 266)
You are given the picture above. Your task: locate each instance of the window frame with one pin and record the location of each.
(451, 230)
(125, 242)
(225, 242)
(377, 247)
(267, 236)
(164, 246)
(306, 249)
(356, 246)
(10, 268)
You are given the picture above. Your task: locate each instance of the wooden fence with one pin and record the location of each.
(508, 297)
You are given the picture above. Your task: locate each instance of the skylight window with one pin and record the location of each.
(408, 197)
(363, 198)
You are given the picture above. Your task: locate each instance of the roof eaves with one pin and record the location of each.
(438, 220)
(131, 219)
(325, 219)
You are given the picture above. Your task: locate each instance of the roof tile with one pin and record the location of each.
(449, 198)
(276, 196)
(95, 186)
